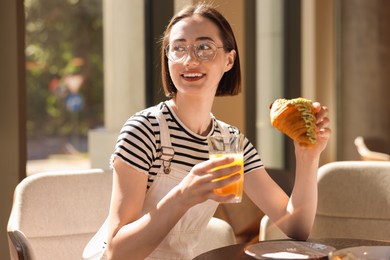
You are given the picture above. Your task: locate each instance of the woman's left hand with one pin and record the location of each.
(323, 130)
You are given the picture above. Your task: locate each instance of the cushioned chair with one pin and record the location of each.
(55, 214)
(353, 202)
(218, 234)
(372, 149)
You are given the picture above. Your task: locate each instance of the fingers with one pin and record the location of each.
(217, 173)
(213, 189)
(201, 183)
(321, 112)
(208, 168)
(322, 120)
(323, 128)
(216, 184)
(324, 123)
(222, 198)
(211, 164)
(211, 176)
(221, 190)
(324, 132)
(217, 179)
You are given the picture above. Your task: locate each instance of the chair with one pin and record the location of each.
(218, 233)
(55, 213)
(353, 202)
(372, 149)
(269, 230)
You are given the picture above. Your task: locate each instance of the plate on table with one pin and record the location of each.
(288, 250)
(361, 252)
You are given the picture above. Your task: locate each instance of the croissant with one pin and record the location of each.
(296, 119)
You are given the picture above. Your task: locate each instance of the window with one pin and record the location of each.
(64, 76)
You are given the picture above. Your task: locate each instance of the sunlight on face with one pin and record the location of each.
(192, 75)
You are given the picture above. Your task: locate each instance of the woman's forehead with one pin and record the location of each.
(193, 28)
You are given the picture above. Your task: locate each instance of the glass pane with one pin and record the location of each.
(64, 77)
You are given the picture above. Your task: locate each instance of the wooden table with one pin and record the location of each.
(234, 252)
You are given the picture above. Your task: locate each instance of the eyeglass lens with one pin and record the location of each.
(204, 50)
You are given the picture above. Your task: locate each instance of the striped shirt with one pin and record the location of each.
(139, 143)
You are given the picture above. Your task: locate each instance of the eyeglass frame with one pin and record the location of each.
(193, 47)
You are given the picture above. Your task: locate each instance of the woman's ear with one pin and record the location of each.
(230, 60)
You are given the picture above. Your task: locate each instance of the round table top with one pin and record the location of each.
(237, 251)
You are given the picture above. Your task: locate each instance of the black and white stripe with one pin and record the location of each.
(139, 143)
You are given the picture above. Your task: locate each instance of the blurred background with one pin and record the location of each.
(72, 72)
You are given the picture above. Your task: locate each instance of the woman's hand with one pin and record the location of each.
(133, 233)
(198, 186)
(301, 207)
(323, 130)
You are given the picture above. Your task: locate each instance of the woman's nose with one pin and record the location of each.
(191, 57)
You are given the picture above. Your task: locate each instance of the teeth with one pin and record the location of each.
(192, 75)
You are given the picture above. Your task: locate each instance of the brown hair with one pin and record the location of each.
(230, 83)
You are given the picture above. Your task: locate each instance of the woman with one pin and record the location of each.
(162, 185)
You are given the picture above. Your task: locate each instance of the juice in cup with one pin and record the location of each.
(235, 187)
(229, 145)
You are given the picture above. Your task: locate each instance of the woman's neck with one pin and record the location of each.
(195, 114)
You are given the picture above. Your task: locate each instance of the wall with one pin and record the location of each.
(12, 110)
(231, 109)
(364, 78)
(325, 70)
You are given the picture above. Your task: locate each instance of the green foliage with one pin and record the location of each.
(64, 44)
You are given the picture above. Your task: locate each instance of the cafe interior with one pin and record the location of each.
(336, 52)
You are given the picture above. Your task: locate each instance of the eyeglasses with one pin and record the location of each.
(203, 50)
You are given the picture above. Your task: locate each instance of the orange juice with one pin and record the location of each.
(236, 187)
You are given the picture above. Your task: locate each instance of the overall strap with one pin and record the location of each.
(167, 152)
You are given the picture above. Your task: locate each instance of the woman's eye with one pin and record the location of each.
(179, 48)
(204, 46)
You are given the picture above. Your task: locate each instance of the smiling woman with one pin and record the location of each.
(206, 57)
(195, 61)
(228, 43)
(162, 201)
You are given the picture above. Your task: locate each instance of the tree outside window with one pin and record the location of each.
(64, 74)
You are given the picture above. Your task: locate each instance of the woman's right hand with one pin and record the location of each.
(198, 186)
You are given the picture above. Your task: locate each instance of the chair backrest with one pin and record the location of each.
(218, 233)
(59, 212)
(372, 149)
(353, 200)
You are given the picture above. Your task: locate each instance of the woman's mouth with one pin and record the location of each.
(192, 76)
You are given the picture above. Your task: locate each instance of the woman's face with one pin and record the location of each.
(192, 75)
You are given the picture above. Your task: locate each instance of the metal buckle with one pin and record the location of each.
(166, 155)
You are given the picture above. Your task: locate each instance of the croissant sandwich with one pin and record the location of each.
(295, 118)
